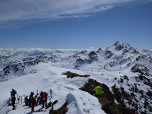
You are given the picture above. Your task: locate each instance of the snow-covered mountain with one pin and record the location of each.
(118, 66)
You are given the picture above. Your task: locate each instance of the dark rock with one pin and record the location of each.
(107, 109)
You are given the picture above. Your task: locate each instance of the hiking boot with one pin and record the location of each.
(13, 108)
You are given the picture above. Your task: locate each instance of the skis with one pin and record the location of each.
(55, 102)
(40, 110)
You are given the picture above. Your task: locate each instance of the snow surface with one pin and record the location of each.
(64, 89)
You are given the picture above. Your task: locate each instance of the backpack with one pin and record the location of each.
(45, 96)
(26, 100)
(34, 101)
(14, 92)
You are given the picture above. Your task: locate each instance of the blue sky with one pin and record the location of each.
(75, 24)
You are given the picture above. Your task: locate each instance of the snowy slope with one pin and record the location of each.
(117, 65)
(63, 89)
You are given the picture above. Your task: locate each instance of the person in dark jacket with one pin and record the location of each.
(33, 102)
(32, 93)
(30, 98)
(45, 99)
(41, 97)
(26, 100)
(13, 102)
(13, 92)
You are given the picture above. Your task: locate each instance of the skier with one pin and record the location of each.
(30, 98)
(45, 99)
(98, 91)
(33, 101)
(32, 93)
(13, 92)
(41, 97)
(26, 100)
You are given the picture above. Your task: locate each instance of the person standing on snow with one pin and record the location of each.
(41, 97)
(13, 92)
(13, 103)
(26, 101)
(45, 99)
(32, 93)
(33, 101)
(30, 98)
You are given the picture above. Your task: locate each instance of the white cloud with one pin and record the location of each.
(15, 11)
(91, 47)
(12, 50)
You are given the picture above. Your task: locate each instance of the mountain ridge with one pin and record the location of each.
(126, 68)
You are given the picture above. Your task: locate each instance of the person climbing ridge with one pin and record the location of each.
(98, 91)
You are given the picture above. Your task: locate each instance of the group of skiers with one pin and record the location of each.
(38, 99)
(41, 99)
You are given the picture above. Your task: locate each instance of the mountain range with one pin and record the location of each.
(119, 64)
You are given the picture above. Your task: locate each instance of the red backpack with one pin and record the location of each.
(45, 96)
